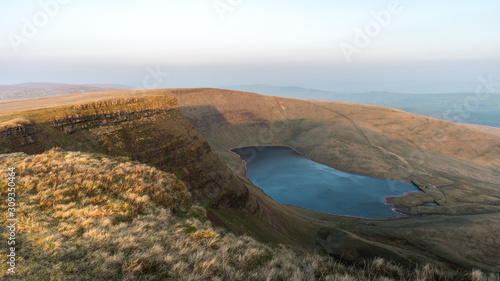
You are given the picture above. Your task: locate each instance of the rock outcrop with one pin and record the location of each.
(150, 130)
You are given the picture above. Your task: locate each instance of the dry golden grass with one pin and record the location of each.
(49, 102)
(93, 108)
(490, 129)
(14, 122)
(90, 217)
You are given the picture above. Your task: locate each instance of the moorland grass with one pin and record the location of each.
(92, 217)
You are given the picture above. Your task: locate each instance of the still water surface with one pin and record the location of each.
(289, 178)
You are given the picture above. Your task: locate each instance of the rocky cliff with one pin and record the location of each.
(150, 130)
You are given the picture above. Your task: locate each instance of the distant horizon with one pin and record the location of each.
(229, 87)
(383, 45)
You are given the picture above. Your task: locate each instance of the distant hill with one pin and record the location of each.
(49, 84)
(288, 92)
(454, 107)
(33, 85)
(30, 93)
(111, 86)
(43, 89)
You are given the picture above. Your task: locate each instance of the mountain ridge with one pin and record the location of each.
(351, 137)
(128, 127)
(475, 108)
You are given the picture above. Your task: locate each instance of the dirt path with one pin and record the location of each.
(261, 204)
(442, 194)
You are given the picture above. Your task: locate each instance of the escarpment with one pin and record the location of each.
(150, 130)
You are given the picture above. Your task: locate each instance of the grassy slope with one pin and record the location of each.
(90, 217)
(369, 140)
(449, 106)
(379, 142)
(148, 129)
(374, 141)
(486, 128)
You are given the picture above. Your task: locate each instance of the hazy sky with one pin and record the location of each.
(363, 45)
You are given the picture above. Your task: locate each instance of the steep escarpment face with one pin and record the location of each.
(150, 130)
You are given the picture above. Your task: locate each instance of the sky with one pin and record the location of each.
(342, 46)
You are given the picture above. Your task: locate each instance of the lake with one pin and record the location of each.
(289, 178)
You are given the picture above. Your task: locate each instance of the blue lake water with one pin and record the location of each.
(289, 178)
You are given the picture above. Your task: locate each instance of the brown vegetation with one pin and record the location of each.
(90, 217)
(148, 129)
(374, 141)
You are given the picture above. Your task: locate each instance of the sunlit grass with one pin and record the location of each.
(90, 217)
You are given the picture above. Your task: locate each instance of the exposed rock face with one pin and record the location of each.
(151, 130)
(20, 135)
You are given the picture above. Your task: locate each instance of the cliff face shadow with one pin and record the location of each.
(204, 117)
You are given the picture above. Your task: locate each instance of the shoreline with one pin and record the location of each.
(386, 199)
(302, 155)
(400, 196)
(272, 145)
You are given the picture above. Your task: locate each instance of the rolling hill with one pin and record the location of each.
(481, 109)
(459, 164)
(13, 93)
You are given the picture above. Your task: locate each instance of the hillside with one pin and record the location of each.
(460, 163)
(470, 108)
(375, 141)
(486, 128)
(91, 217)
(149, 129)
